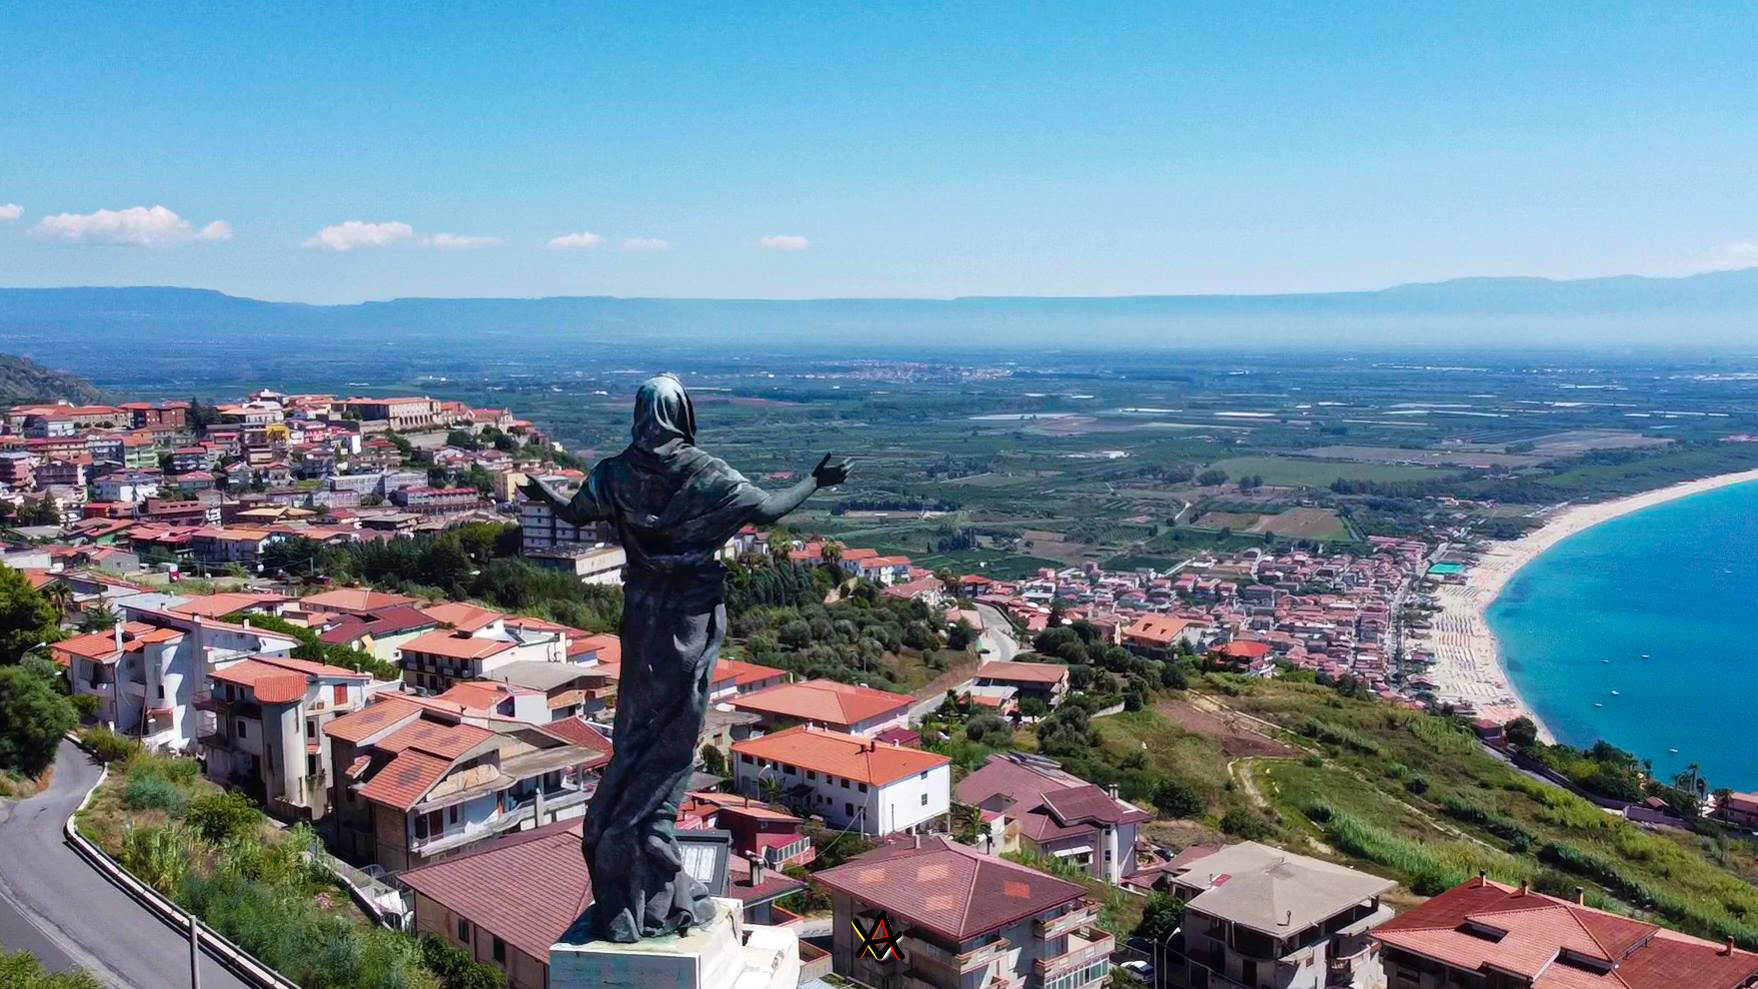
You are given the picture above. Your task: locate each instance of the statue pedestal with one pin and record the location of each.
(725, 954)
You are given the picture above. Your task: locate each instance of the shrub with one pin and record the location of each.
(219, 817)
(153, 793)
(455, 969)
(20, 970)
(1242, 823)
(106, 746)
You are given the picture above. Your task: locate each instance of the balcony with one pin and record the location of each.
(1085, 915)
(215, 740)
(514, 815)
(1085, 946)
(919, 950)
(207, 700)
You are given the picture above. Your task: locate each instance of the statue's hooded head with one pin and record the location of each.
(664, 417)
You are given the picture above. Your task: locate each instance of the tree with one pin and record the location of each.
(27, 619)
(60, 597)
(1520, 732)
(1175, 798)
(221, 816)
(1163, 914)
(961, 636)
(99, 618)
(712, 761)
(33, 717)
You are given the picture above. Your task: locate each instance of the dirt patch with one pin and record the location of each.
(1304, 523)
(1235, 736)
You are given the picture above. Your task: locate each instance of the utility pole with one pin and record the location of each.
(194, 952)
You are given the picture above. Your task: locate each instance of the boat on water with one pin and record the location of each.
(1614, 693)
(1597, 704)
(1672, 751)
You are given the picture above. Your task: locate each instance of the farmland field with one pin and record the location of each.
(1300, 472)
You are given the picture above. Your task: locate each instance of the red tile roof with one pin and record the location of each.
(1526, 933)
(1045, 674)
(455, 645)
(225, 603)
(575, 731)
(824, 702)
(742, 673)
(1158, 629)
(525, 888)
(406, 779)
(859, 759)
(461, 615)
(438, 738)
(356, 599)
(371, 719)
(954, 891)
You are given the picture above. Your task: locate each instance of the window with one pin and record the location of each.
(812, 774)
(340, 695)
(452, 814)
(745, 757)
(924, 800)
(500, 950)
(863, 788)
(463, 930)
(848, 810)
(845, 782)
(241, 732)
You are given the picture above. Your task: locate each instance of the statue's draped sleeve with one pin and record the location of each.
(590, 503)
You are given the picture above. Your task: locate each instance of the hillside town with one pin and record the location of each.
(445, 752)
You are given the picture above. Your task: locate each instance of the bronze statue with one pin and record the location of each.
(673, 506)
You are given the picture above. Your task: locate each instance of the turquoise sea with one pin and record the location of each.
(1678, 582)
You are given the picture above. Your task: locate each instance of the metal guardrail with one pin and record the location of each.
(221, 949)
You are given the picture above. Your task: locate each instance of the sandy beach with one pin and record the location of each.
(1467, 664)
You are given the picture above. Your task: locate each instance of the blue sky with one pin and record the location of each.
(901, 150)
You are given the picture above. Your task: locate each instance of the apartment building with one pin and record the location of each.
(1484, 935)
(149, 669)
(415, 781)
(1257, 917)
(851, 782)
(261, 729)
(966, 920)
(438, 659)
(1039, 808)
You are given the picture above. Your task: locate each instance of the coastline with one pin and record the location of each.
(1468, 666)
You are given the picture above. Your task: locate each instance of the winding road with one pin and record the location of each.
(57, 907)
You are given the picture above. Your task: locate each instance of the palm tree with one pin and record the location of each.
(60, 598)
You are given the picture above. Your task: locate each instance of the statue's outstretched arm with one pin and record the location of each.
(827, 474)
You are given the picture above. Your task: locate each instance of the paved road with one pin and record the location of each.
(998, 644)
(55, 905)
(997, 635)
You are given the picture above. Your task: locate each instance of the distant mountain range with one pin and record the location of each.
(1715, 309)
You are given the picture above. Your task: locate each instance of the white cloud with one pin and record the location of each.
(11, 211)
(784, 242)
(581, 241)
(352, 234)
(137, 226)
(645, 244)
(462, 242)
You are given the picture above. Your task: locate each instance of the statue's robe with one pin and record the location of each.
(673, 507)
